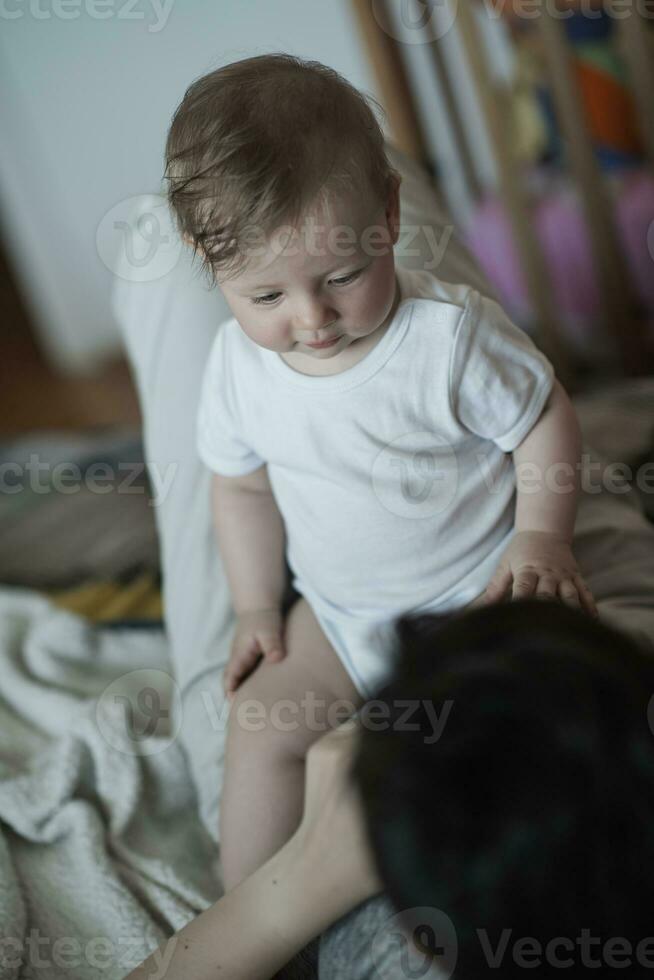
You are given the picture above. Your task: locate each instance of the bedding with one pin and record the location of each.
(99, 833)
(77, 522)
(102, 853)
(75, 505)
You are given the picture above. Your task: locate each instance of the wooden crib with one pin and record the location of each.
(383, 29)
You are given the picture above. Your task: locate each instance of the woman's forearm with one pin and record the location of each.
(251, 538)
(257, 927)
(248, 934)
(547, 470)
(324, 871)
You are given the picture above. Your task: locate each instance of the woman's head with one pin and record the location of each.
(533, 812)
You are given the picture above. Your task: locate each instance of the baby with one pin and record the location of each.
(367, 424)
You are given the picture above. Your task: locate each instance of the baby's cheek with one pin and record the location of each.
(383, 283)
(266, 333)
(282, 338)
(377, 305)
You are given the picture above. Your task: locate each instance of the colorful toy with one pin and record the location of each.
(603, 84)
(563, 236)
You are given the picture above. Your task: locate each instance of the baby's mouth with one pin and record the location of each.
(324, 343)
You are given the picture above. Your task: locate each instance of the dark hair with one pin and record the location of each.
(534, 810)
(257, 142)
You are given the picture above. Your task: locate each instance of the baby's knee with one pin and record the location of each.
(273, 726)
(286, 706)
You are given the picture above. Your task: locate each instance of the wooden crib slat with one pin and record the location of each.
(620, 310)
(513, 194)
(385, 57)
(638, 52)
(452, 111)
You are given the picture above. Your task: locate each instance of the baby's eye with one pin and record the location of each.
(270, 298)
(345, 279)
(265, 300)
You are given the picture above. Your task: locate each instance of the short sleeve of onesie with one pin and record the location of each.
(499, 380)
(221, 442)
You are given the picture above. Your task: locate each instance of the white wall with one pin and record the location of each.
(85, 110)
(89, 88)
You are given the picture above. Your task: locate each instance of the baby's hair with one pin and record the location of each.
(257, 143)
(533, 809)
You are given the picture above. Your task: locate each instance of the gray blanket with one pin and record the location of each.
(102, 855)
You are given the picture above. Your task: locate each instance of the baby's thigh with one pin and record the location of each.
(303, 696)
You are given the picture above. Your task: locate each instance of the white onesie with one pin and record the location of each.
(392, 477)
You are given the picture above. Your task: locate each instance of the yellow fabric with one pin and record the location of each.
(103, 602)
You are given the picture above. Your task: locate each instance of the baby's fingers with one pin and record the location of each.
(272, 645)
(243, 660)
(569, 593)
(524, 583)
(547, 587)
(586, 596)
(497, 587)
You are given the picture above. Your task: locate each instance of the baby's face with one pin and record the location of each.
(330, 279)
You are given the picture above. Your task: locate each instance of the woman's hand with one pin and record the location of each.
(541, 564)
(332, 836)
(259, 633)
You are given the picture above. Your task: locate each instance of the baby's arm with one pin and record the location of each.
(547, 468)
(539, 558)
(251, 535)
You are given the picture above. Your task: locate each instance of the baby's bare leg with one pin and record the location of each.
(263, 790)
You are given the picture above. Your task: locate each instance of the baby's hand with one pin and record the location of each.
(258, 634)
(542, 564)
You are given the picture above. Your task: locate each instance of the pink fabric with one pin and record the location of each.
(564, 237)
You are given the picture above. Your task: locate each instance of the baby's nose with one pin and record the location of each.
(314, 317)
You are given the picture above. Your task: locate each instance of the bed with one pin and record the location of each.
(112, 722)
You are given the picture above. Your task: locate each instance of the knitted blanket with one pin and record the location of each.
(101, 854)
